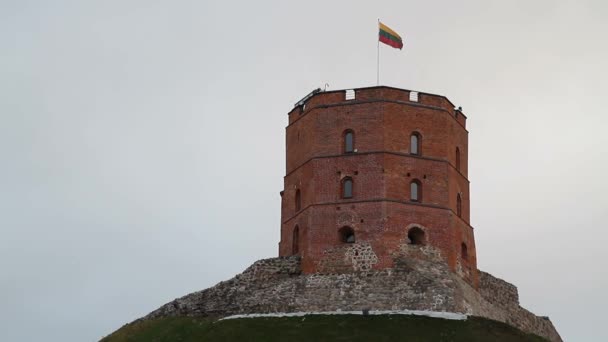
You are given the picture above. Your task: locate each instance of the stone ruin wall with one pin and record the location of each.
(357, 257)
(497, 290)
(276, 285)
(420, 280)
(503, 299)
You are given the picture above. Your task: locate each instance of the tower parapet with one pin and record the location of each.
(370, 170)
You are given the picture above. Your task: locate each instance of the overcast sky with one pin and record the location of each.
(142, 144)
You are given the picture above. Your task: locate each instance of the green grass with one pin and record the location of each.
(321, 328)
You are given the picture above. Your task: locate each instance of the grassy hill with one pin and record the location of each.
(321, 328)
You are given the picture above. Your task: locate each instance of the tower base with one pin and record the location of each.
(415, 283)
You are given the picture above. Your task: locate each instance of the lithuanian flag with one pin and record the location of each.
(389, 37)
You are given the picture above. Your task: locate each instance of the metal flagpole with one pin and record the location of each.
(378, 57)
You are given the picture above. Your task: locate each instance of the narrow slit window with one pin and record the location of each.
(347, 188)
(415, 191)
(349, 141)
(415, 143)
(464, 252)
(459, 205)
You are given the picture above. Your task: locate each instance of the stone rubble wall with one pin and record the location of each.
(499, 300)
(351, 258)
(420, 280)
(497, 290)
(260, 291)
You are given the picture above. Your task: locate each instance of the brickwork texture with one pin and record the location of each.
(382, 165)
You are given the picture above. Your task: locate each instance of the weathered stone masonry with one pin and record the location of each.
(420, 280)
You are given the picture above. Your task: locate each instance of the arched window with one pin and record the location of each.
(457, 159)
(347, 188)
(347, 235)
(298, 200)
(464, 252)
(459, 205)
(416, 236)
(349, 141)
(295, 241)
(416, 191)
(415, 143)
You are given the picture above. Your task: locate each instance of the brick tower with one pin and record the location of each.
(371, 171)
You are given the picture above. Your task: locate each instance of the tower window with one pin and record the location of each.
(459, 205)
(464, 252)
(298, 200)
(416, 236)
(415, 191)
(295, 241)
(457, 159)
(415, 143)
(347, 235)
(349, 141)
(347, 188)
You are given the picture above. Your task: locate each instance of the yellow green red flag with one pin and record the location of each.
(389, 37)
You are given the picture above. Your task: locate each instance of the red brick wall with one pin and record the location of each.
(380, 211)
